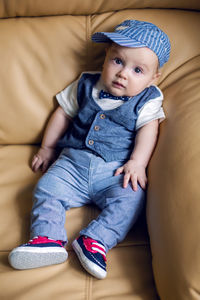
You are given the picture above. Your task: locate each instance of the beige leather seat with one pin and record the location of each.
(45, 45)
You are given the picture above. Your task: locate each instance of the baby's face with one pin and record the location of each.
(128, 71)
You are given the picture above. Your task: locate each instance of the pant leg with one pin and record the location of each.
(63, 186)
(120, 211)
(120, 206)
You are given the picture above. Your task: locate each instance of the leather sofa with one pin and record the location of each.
(45, 45)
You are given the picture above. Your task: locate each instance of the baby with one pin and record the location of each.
(107, 124)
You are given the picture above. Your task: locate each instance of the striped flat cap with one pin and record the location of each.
(137, 34)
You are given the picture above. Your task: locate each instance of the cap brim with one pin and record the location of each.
(108, 37)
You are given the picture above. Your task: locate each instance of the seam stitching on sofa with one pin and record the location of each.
(88, 33)
(88, 288)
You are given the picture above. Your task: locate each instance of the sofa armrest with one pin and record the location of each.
(173, 208)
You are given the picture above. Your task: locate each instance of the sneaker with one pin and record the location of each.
(92, 255)
(38, 252)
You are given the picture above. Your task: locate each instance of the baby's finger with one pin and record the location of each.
(37, 164)
(119, 171)
(134, 181)
(142, 182)
(35, 158)
(126, 180)
(45, 166)
(34, 161)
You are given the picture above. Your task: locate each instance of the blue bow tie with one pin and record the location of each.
(104, 94)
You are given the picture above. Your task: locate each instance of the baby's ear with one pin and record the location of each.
(156, 76)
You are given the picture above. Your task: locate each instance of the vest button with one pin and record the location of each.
(102, 116)
(96, 128)
(90, 142)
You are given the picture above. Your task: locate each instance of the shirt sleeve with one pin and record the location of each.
(152, 110)
(67, 99)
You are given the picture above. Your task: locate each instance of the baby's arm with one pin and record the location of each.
(135, 168)
(56, 127)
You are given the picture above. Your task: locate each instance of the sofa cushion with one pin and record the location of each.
(14, 8)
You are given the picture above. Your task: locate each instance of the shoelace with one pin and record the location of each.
(94, 247)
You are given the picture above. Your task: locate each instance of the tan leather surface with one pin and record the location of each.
(39, 57)
(12, 8)
(38, 61)
(69, 281)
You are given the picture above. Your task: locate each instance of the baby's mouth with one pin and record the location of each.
(118, 84)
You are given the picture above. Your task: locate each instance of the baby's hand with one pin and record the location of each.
(43, 159)
(133, 172)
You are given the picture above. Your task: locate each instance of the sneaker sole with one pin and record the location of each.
(29, 258)
(89, 266)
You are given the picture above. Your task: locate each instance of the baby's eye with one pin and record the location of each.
(137, 70)
(118, 61)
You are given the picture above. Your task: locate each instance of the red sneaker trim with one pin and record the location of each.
(44, 240)
(94, 247)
